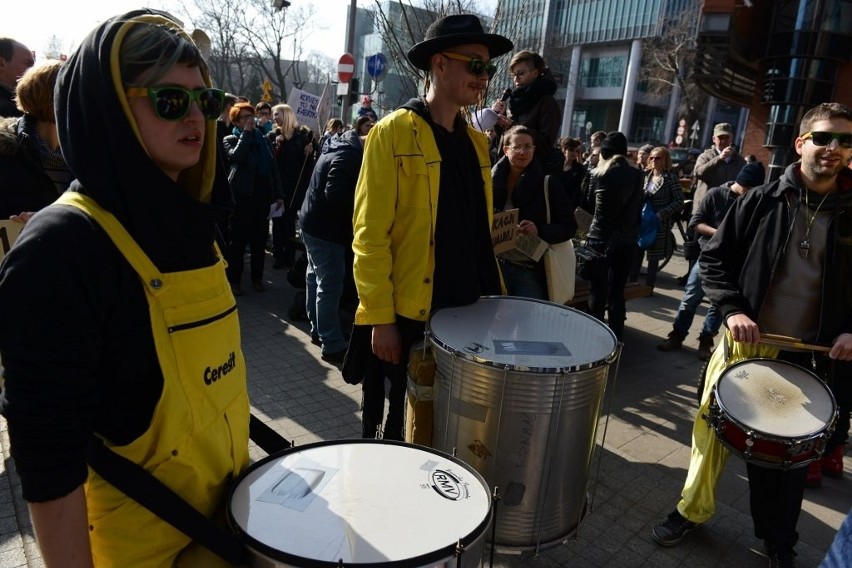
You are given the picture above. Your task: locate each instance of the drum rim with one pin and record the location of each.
(608, 360)
(414, 562)
(768, 435)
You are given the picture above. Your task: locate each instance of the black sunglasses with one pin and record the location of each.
(172, 103)
(824, 138)
(475, 66)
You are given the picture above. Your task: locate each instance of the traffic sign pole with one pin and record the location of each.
(345, 71)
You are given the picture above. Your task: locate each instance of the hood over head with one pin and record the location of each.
(102, 146)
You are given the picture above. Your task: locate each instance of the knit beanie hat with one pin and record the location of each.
(751, 175)
(615, 143)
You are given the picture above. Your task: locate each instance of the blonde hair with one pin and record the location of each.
(290, 123)
(660, 151)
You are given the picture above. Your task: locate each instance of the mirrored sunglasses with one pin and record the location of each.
(172, 103)
(844, 139)
(475, 66)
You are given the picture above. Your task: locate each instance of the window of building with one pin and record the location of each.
(602, 72)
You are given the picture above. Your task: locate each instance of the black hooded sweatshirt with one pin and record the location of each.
(82, 358)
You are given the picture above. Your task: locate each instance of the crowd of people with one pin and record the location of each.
(147, 239)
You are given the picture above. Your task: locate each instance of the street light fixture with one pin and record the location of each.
(279, 4)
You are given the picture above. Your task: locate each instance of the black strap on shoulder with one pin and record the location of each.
(134, 481)
(266, 438)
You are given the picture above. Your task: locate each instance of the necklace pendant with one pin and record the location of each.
(804, 247)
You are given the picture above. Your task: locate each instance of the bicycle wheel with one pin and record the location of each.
(670, 248)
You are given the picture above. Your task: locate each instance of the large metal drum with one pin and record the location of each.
(518, 394)
(361, 503)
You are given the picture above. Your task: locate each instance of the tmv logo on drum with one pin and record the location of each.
(448, 485)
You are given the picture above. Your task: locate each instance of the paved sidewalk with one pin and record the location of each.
(636, 482)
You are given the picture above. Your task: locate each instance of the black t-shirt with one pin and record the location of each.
(465, 268)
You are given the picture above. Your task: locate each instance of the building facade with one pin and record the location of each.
(594, 47)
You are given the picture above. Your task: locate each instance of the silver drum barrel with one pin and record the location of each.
(517, 395)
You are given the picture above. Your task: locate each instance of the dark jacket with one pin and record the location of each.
(615, 199)
(713, 209)
(330, 201)
(295, 168)
(533, 106)
(528, 198)
(23, 184)
(739, 262)
(8, 108)
(244, 158)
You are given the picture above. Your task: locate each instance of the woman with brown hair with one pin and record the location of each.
(32, 170)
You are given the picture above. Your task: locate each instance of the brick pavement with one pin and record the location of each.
(636, 477)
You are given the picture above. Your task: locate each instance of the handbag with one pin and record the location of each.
(650, 225)
(588, 258)
(560, 263)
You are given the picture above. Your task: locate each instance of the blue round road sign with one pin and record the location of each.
(377, 66)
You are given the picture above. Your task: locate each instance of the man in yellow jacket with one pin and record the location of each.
(414, 252)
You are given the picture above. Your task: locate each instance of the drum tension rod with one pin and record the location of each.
(495, 498)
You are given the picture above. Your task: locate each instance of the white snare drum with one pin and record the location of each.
(361, 502)
(772, 413)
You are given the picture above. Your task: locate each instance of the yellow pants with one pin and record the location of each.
(707, 461)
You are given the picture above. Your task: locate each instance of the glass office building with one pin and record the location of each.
(594, 49)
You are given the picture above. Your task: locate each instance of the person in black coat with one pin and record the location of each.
(615, 200)
(33, 172)
(326, 222)
(519, 182)
(255, 185)
(294, 156)
(532, 104)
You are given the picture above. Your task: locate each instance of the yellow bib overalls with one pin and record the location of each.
(197, 441)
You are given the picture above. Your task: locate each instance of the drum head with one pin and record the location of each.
(523, 334)
(775, 397)
(362, 501)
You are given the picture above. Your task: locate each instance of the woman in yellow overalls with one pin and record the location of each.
(118, 321)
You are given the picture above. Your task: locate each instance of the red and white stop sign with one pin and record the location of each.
(345, 67)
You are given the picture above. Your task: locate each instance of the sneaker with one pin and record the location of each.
(673, 343)
(780, 556)
(813, 478)
(315, 339)
(832, 463)
(236, 290)
(673, 529)
(258, 286)
(705, 348)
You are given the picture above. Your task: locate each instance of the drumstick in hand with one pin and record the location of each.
(784, 341)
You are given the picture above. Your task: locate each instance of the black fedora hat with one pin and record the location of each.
(450, 31)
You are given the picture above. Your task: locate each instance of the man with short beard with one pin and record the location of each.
(780, 263)
(15, 58)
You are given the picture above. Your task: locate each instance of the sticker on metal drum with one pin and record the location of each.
(541, 348)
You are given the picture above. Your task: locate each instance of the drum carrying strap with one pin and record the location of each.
(138, 484)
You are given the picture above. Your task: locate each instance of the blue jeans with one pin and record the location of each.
(523, 281)
(692, 296)
(841, 549)
(324, 278)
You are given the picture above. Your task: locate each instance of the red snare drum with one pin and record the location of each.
(772, 413)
